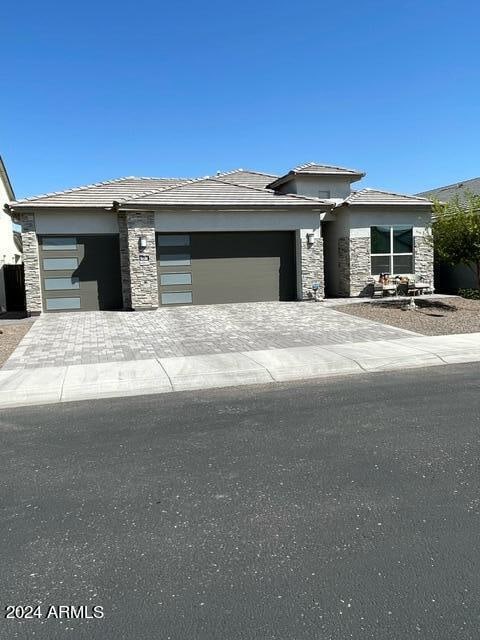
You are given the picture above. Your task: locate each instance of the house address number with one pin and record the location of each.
(143, 258)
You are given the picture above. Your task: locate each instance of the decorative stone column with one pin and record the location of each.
(344, 267)
(360, 265)
(312, 268)
(423, 258)
(124, 261)
(354, 265)
(31, 261)
(138, 265)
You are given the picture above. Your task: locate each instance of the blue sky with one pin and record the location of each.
(97, 90)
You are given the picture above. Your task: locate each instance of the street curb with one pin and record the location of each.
(48, 385)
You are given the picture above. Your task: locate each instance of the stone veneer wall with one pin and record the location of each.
(124, 261)
(32, 264)
(344, 267)
(139, 277)
(355, 269)
(353, 266)
(312, 267)
(360, 265)
(423, 258)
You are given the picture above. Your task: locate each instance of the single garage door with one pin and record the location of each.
(213, 268)
(80, 273)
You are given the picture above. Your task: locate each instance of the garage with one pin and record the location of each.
(80, 273)
(223, 267)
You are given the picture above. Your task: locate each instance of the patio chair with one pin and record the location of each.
(391, 288)
(380, 288)
(375, 289)
(419, 286)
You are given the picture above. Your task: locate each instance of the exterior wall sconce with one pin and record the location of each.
(142, 243)
(310, 239)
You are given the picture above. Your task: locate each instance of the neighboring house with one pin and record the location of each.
(449, 279)
(10, 242)
(446, 193)
(140, 243)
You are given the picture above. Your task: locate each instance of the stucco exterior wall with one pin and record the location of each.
(98, 222)
(8, 249)
(365, 217)
(310, 186)
(9, 253)
(192, 221)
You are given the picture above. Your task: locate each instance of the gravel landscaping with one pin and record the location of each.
(10, 336)
(431, 317)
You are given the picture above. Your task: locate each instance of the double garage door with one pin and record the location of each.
(80, 273)
(213, 268)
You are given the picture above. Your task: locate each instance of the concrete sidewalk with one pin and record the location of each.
(160, 375)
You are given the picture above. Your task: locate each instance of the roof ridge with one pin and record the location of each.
(392, 193)
(258, 173)
(157, 178)
(218, 180)
(169, 188)
(356, 196)
(290, 195)
(328, 166)
(304, 165)
(228, 173)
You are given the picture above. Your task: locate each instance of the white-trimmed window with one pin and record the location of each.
(391, 249)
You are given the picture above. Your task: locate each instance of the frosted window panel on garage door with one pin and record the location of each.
(174, 241)
(58, 304)
(177, 297)
(58, 264)
(57, 284)
(59, 244)
(175, 260)
(175, 278)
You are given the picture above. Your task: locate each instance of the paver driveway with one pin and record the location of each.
(106, 336)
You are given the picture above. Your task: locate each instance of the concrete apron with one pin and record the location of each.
(20, 387)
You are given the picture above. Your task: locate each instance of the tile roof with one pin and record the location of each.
(102, 194)
(376, 197)
(99, 194)
(217, 192)
(241, 187)
(449, 191)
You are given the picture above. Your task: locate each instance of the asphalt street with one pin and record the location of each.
(347, 508)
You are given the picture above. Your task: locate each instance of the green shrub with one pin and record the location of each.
(471, 294)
